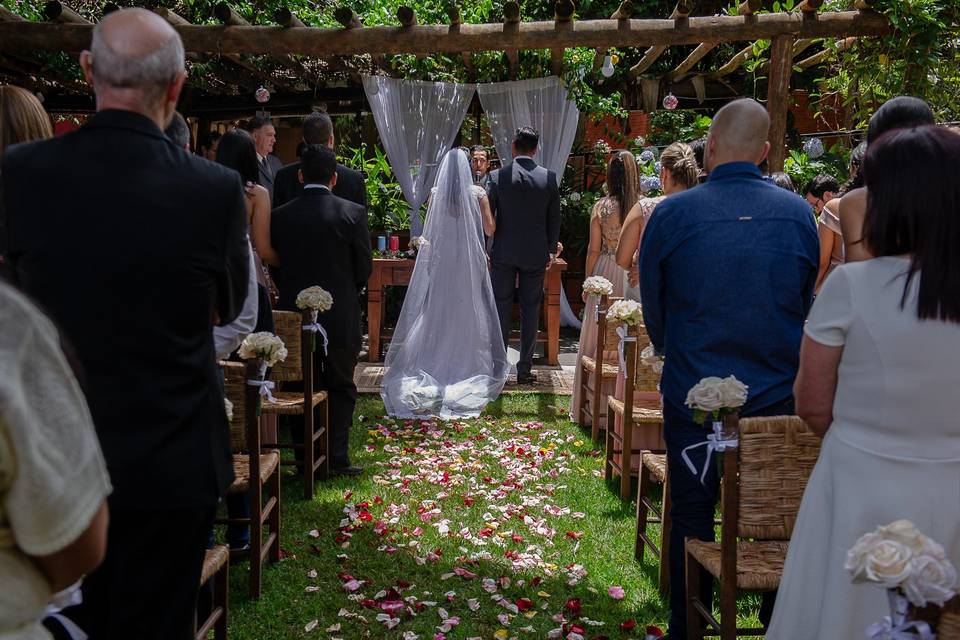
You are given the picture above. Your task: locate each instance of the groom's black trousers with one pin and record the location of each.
(504, 278)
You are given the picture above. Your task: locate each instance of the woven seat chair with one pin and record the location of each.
(216, 564)
(946, 619)
(653, 471)
(762, 485)
(298, 367)
(634, 413)
(255, 469)
(591, 385)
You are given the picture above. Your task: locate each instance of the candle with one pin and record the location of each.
(394, 243)
(381, 243)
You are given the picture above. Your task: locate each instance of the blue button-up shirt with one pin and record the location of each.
(727, 271)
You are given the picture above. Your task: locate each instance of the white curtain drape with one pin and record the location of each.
(541, 103)
(418, 123)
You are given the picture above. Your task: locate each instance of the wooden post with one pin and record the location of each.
(228, 16)
(778, 97)
(287, 18)
(749, 7)
(511, 24)
(406, 16)
(59, 12)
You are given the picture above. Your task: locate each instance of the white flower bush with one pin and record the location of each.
(265, 345)
(627, 312)
(314, 299)
(597, 286)
(898, 556)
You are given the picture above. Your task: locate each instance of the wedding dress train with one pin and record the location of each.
(447, 356)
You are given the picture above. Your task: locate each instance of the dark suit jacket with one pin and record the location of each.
(323, 240)
(268, 173)
(351, 185)
(525, 199)
(131, 254)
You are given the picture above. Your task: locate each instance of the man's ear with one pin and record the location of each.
(300, 175)
(86, 63)
(766, 152)
(333, 180)
(175, 87)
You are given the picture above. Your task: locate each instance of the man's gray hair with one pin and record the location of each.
(151, 72)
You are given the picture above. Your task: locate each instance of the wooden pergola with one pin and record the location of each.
(296, 51)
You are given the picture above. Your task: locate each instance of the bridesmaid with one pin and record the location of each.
(605, 223)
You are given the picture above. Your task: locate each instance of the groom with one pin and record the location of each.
(525, 199)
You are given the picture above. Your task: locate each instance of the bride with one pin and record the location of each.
(447, 357)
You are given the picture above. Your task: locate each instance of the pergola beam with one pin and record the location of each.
(680, 12)
(823, 56)
(61, 13)
(348, 18)
(778, 98)
(427, 39)
(691, 60)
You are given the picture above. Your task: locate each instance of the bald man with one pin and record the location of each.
(727, 271)
(134, 254)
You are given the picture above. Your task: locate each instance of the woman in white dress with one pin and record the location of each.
(879, 378)
(447, 357)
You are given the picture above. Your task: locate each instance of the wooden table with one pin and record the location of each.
(393, 272)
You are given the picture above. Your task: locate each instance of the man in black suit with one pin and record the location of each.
(264, 136)
(351, 185)
(525, 199)
(134, 255)
(323, 240)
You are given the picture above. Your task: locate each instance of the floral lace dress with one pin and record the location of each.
(607, 210)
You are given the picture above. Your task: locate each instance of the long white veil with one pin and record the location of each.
(447, 357)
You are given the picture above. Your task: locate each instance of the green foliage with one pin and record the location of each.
(679, 125)
(920, 57)
(386, 207)
(802, 169)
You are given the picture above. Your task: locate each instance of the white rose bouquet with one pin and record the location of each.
(264, 345)
(597, 286)
(627, 312)
(314, 299)
(650, 358)
(898, 557)
(716, 397)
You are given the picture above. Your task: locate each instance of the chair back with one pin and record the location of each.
(235, 390)
(288, 326)
(608, 341)
(775, 459)
(949, 626)
(645, 378)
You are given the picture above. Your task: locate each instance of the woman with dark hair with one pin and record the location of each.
(783, 180)
(897, 113)
(828, 222)
(237, 151)
(878, 377)
(605, 222)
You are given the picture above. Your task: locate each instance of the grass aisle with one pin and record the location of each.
(494, 528)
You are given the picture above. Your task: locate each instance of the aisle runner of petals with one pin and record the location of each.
(507, 473)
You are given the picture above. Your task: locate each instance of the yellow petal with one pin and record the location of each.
(501, 634)
(543, 594)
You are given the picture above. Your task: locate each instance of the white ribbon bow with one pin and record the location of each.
(886, 630)
(715, 443)
(895, 626)
(624, 338)
(317, 327)
(69, 597)
(265, 387)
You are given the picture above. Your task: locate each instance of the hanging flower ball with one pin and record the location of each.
(647, 156)
(670, 102)
(261, 94)
(814, 148)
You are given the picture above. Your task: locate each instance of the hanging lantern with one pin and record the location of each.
(261, 94)
(607, 69)
(670, 101)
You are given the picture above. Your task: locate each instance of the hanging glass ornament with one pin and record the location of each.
(670, 101)
(261, 94)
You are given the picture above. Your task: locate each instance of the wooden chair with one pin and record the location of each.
(646, 413)
(254, 469)
(590, 386)
(653, 471)
(298, 367)
(762, 485)
(945, 621)
(949, 626)
(216, 565)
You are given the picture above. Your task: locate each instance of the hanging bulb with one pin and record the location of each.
(607, 69)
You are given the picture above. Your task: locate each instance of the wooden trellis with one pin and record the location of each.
(235, 39)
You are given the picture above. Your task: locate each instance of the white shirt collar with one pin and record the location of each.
(522, 158)
(317, 186)
(260, 158)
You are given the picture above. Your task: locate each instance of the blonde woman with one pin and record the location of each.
(605, 222)
(678, 171)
